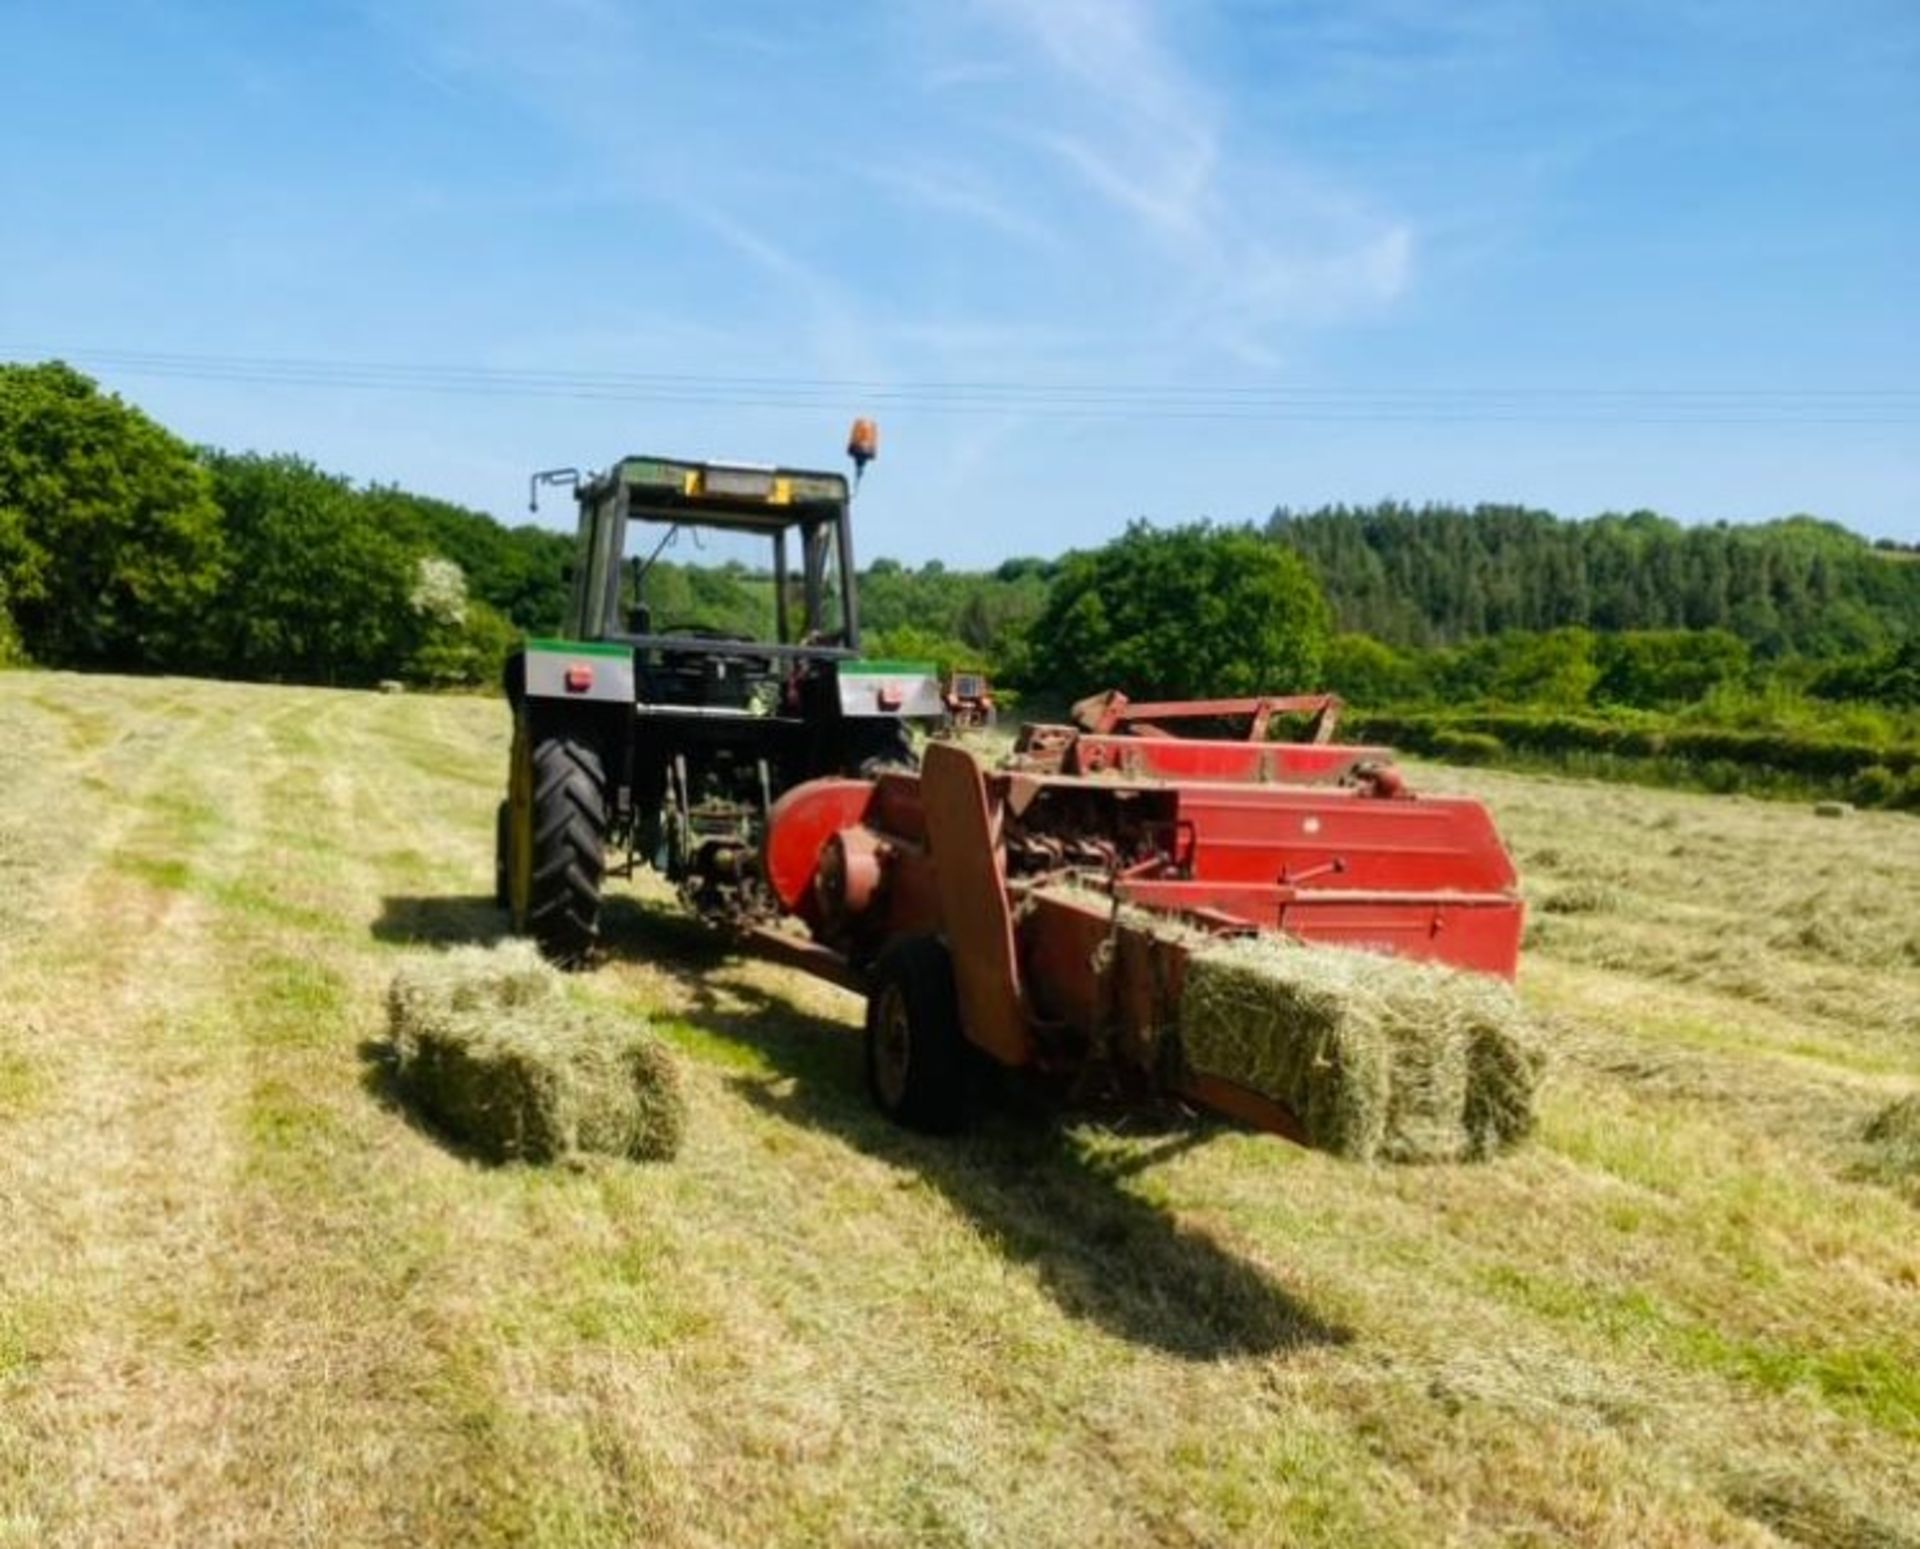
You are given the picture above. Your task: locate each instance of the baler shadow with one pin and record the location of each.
(1034, 1185)
(1099, 1251)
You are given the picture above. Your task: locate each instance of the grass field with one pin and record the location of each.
(244, 1298)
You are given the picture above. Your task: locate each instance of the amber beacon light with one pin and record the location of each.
(863, 445)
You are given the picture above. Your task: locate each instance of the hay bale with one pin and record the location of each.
(1833, 809)
(1377, 1056)
(432, 986)
(1299, 1038)
(488, 1042)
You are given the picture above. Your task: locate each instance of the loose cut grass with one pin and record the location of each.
(1892, 1139)
(240, 1304)
(488, 1042)
(1378, 1057)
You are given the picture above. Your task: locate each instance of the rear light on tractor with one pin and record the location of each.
(890, 696)
(579, 678)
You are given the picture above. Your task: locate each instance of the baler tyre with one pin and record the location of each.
(564, 830)
(921, 1070)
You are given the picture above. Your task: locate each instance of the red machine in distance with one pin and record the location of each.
(969, 702)
(1006, 913)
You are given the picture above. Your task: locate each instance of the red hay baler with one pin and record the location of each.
(1007, 914)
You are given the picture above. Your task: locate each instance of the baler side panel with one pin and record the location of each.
(962, 834)
(1475, 931)
(1247, 834)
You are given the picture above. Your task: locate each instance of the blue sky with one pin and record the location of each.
(1191, 257)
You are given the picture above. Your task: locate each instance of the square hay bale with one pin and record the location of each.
(432, 986)
(1378, 1057)
(1301, 1039)
(488, 1042)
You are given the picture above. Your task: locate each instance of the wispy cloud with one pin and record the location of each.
(652, 147)
(1248, 237)
(1071, 168)
(1131, 124)
(953, 188)
(963, 74)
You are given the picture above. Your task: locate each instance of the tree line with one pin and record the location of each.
(122, 546)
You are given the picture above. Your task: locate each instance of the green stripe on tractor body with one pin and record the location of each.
(579, 647)
(887, 669)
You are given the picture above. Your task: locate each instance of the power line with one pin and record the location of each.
(841, 383)
(1661, 405)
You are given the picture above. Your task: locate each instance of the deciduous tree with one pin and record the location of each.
(1182, 612)
(110, 541)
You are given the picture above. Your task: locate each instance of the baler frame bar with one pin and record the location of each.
(1107, 714)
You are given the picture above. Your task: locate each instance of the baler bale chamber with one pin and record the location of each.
(1053, 914)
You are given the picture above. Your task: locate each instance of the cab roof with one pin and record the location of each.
(747, 495)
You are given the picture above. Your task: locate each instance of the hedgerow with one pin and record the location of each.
(1870, 773)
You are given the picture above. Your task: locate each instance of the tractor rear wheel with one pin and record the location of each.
(557, 843)
(872, 747)
(502, 848)
(921, 1070)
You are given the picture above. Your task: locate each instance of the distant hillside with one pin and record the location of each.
(1438, 575)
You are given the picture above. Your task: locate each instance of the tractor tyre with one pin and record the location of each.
(921, 1070)
(502, 864)
(875, 746)
(557, 855)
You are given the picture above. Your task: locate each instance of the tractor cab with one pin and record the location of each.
(773, 630)
(787, 535)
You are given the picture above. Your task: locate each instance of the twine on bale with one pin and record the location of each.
(1378, 1057)
(488, 1042)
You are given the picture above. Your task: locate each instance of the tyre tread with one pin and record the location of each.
(569, 848)
(945, 1067)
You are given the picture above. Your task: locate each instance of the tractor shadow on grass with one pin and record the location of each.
(1047, 1193)
(651, 931)
(443, 920)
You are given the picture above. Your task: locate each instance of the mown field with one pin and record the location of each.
(246, 1299)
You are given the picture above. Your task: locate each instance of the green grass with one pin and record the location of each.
(20, 1082)
(246, 1297)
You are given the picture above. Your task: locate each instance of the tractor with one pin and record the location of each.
(666, 741)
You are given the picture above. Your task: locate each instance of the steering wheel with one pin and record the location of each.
(704, 632)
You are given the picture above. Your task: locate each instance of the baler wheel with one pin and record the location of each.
(921, 1069)
(557, 855)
